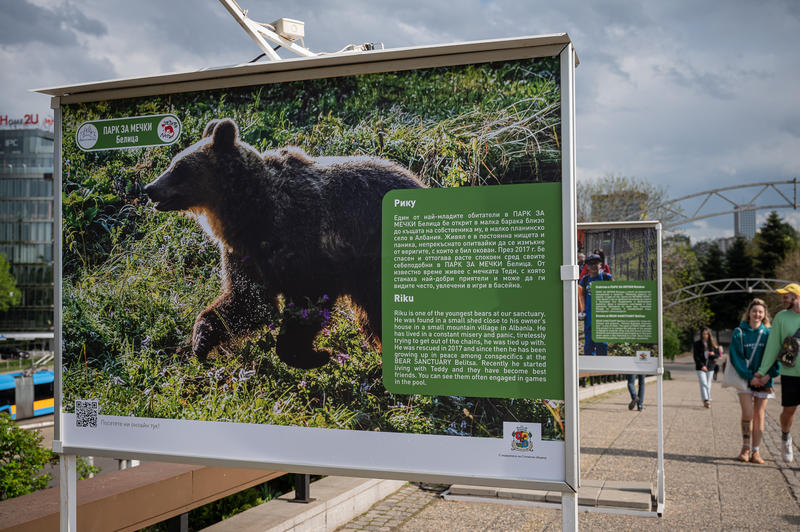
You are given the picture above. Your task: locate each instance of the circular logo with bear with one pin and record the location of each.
(169, 129)
(87, 136)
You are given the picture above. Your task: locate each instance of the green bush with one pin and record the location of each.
(22, 460)
(672, 340)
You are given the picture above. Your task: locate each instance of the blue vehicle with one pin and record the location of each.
(28, 393)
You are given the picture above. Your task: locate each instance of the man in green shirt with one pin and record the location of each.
(786, 323)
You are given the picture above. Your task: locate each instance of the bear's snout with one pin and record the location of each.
(156, 193)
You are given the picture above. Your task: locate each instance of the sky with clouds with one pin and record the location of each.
(688, 95)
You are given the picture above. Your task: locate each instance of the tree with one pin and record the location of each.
(681, 267)
(618, 198)
(713, 267)
(738, 263)
(775, 239)
(789, 268)
(10, 295)
(22, 459)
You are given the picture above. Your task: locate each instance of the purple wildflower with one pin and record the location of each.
(290, 304)
(302, 384)
(271, 326)
(304, 313)
(326, 331)
(341, 358)
(326, 316)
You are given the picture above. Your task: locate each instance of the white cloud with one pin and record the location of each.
(689, 95)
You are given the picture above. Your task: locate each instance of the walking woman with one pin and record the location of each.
(747, 349)
(706, 354)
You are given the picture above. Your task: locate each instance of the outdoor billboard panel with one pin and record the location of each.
(354, 273)
(620, 299)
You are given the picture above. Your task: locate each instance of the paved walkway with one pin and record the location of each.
(707, 489)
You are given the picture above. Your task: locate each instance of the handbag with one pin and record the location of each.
(789, 349)
(730, 378)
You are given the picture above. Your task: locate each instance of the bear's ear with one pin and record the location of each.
(225, 134)
(209, 128)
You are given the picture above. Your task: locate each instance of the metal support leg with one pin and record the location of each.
(660, 490)
(569, 512)
(68, 494)
(179, 523)
(302, 488)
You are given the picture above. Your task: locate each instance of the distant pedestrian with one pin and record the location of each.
(785, 332)
(637, 399)
(604, 267)
(746, 352)
(706, 354)
(594, 262)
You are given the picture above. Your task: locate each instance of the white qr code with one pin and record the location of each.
(86, 413)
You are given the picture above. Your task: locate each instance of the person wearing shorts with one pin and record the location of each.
(785, 324)
(746, 351)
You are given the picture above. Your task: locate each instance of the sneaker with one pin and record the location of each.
(707, 403)
(787, 452)
(632, 404)
(640, 407)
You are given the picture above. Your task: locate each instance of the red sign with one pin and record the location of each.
(28, 120)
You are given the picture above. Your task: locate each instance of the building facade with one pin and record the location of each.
(744, 222)
(26, 230)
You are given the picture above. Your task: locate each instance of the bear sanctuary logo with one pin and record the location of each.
(87, 136)
(169, 129)
(522, 439)
(129, 132)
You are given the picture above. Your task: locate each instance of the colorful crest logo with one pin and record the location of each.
(521, 439)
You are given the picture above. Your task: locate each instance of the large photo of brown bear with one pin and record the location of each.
(235, 274)
(286, 224)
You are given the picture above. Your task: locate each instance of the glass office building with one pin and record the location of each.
(26, 230)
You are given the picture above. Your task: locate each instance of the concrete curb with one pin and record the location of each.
(600, 389)
(336, 501)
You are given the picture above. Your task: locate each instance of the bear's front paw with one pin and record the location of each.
(205, 336)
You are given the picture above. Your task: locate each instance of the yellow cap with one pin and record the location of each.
(791, 288)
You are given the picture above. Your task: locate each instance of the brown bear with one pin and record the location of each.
(308, 228)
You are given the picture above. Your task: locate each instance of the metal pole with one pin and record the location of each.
(569, 270)
(68, 494)
(660, 490)
(179, 523)
(55, 104)
(302, 488)
(569, 511)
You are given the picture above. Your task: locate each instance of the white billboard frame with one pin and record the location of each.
(186, 445)
(611, 365)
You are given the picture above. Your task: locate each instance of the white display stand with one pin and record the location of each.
(352, 455)
(630, 365)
